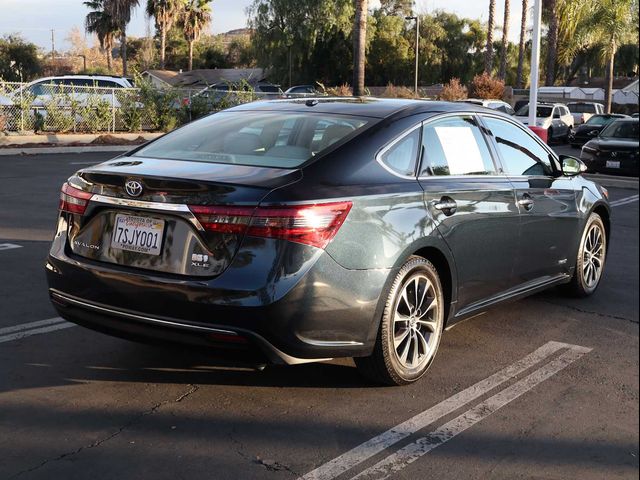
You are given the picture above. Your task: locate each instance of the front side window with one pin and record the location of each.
(455, 146)
(266, 139)
(520, 151)
(401, 156)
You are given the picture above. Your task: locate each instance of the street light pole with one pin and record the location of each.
(535, 63)
(417, 19)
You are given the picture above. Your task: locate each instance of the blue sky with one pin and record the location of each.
(34, 19)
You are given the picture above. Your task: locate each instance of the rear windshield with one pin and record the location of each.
(541, 112)
(598, 120)
(265, 139)
(582, 108)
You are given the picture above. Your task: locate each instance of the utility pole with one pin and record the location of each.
(417, 19)
(53, 45)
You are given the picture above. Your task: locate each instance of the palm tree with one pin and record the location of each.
(505, 41)
(523, 32)
(165, 13)
(120, 11)
(100, 22)
(488, 56)
(612, 24)
(359, 46)
(196, 17)
(552, 42)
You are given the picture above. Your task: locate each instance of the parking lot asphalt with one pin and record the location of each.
(545, 388)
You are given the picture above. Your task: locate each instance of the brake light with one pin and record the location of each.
(73, 200)
(313, 225)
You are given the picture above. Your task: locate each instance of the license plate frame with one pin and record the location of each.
(139, 234)
(613, 164)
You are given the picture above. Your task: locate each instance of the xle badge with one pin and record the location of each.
(199, 260)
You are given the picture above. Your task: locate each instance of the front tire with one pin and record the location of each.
(592, 253)
(411, 326)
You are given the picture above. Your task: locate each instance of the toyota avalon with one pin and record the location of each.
(302, 230)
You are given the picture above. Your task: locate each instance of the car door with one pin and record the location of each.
(559, 128)
(472, 204)
(547, 201)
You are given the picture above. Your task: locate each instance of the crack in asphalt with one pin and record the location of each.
(192, 389)
(270, 465)
(581, 310)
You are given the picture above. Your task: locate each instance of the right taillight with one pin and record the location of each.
(314, 224)
(73, 200)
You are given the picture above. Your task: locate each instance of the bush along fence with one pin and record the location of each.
(65, 109)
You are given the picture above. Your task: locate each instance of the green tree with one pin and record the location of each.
(612, 24)
(396, 7)
(165, 13)
(195, 19)
(488, 62)
(300, 34)
(388, 58)
(100, 23)
(521, 45)
(359, 46)
(18, 59)
(505, 41)
(120, 11)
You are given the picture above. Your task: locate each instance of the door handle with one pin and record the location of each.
(446, 205)
(526, 202)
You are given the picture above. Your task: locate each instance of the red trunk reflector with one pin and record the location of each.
(73, 200)
(314, 224)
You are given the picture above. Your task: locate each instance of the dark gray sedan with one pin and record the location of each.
(296, 231)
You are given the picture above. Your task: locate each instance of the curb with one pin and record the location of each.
(53, 150)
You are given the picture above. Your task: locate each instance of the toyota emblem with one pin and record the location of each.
(133, 188)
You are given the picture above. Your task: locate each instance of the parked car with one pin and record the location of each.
(591, 128)
(289, 232)
(615, 150)
(635, 115)
(554, 117)
(303, 91)
(237, 93)
(78, 87)
(498, 105)
(583, 111)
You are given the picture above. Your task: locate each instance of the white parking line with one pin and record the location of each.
(412, 452)
(16, 332)
(372, 447)
(9, 246)
(625, 201)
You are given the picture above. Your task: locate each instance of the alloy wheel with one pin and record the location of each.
(593, 253)
(416, 321)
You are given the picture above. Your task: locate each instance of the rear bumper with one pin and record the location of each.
(292, 305)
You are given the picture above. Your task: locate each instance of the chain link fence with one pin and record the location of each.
(67, 109)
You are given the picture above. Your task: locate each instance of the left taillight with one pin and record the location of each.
(73, 200)
(313, 224)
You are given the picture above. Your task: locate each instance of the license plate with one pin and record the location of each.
(613, 164)
(138, 234)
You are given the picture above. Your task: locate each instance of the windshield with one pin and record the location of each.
(542, 112)
(621, 129)
(265, 139)
(582, 108)
(598, 120)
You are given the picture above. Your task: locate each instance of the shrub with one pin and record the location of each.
(486, 87)
(453, 90)
(393, 91)
(343, 90)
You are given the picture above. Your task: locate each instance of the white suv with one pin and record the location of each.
(79, 87)
(554, 117)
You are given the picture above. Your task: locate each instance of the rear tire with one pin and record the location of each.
(590, 263)
(411, 326)
(550, 135)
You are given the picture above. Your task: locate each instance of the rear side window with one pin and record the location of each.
(401, 155)
(267, 139)
(521, 153)
(455, 146)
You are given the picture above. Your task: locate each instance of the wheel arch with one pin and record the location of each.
(445, 271)
(605, 214)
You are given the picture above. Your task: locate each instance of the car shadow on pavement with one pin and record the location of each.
(131, 362)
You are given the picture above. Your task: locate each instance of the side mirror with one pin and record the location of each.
(572, 166)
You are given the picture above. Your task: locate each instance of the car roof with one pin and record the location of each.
(580, 102)
(361, 106)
